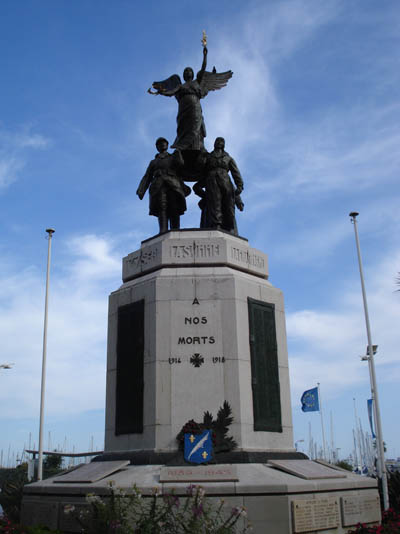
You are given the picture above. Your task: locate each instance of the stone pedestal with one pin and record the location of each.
(195, 291)
(277, 502)
(197, 323)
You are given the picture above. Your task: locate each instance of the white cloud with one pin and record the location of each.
(13, 153)
(77, 331)
(31, 141)
(325, 345)
(9, 168)
(337, 149)
(94, 258)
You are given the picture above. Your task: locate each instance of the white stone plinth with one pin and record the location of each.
(276, 502)
(196, 248)
(198, 307)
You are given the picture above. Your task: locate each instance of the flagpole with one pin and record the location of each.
(50, 231)
(332, 441)
(355, 451)
(322, 420)
(358, 441)
(371, 365)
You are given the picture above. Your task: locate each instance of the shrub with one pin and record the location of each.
(344, 465)
(8, 527)
(11, 493)
(394, 490)
(129, 513)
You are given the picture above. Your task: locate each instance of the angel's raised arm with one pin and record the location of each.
(203, 65)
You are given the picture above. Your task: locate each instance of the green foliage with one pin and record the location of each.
(52, 462)
(11, 492)
(394, 490)
(52, 466)
(221, 441)
(130, 513)
(12, 482)
(344, 465)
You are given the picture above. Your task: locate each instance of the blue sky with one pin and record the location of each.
(312, 117)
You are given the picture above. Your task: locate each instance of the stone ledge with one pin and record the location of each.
(194, 248)
(151, 457)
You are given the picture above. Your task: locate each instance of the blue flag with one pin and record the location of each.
(371, 424)
(310, 401)
(198, 447)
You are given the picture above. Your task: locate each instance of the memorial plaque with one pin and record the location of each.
(306, 469)
(360, 509)
(331, 466)
(315, 514)
(92, 472)
(129, 403)
(201, 473)
(264, 367)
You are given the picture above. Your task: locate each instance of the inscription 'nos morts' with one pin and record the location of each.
(196, 340)
(197, 327)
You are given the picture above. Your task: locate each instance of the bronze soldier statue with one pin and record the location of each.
(167, 191)
(219, 196)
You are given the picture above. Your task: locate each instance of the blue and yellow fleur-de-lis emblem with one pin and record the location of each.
(198, 447)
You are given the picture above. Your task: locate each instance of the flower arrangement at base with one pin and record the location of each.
(132, 513)
(219, 427)
(390, 525)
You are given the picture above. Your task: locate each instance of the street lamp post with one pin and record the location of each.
(50, 231)
(371, 365)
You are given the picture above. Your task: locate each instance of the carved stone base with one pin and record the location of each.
(276, 501)
(196, 323)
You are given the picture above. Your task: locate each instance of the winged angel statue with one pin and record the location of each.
(191, 129)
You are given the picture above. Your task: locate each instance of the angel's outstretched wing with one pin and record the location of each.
(214, 80)
(170, 84)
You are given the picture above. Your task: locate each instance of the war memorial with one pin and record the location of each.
(197, 365)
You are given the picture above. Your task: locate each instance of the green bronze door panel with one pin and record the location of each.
(264, 367)
(130, 369)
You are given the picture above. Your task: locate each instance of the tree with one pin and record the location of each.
(52, 462)
(344, 465)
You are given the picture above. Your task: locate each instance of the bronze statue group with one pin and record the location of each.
(166, 174)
